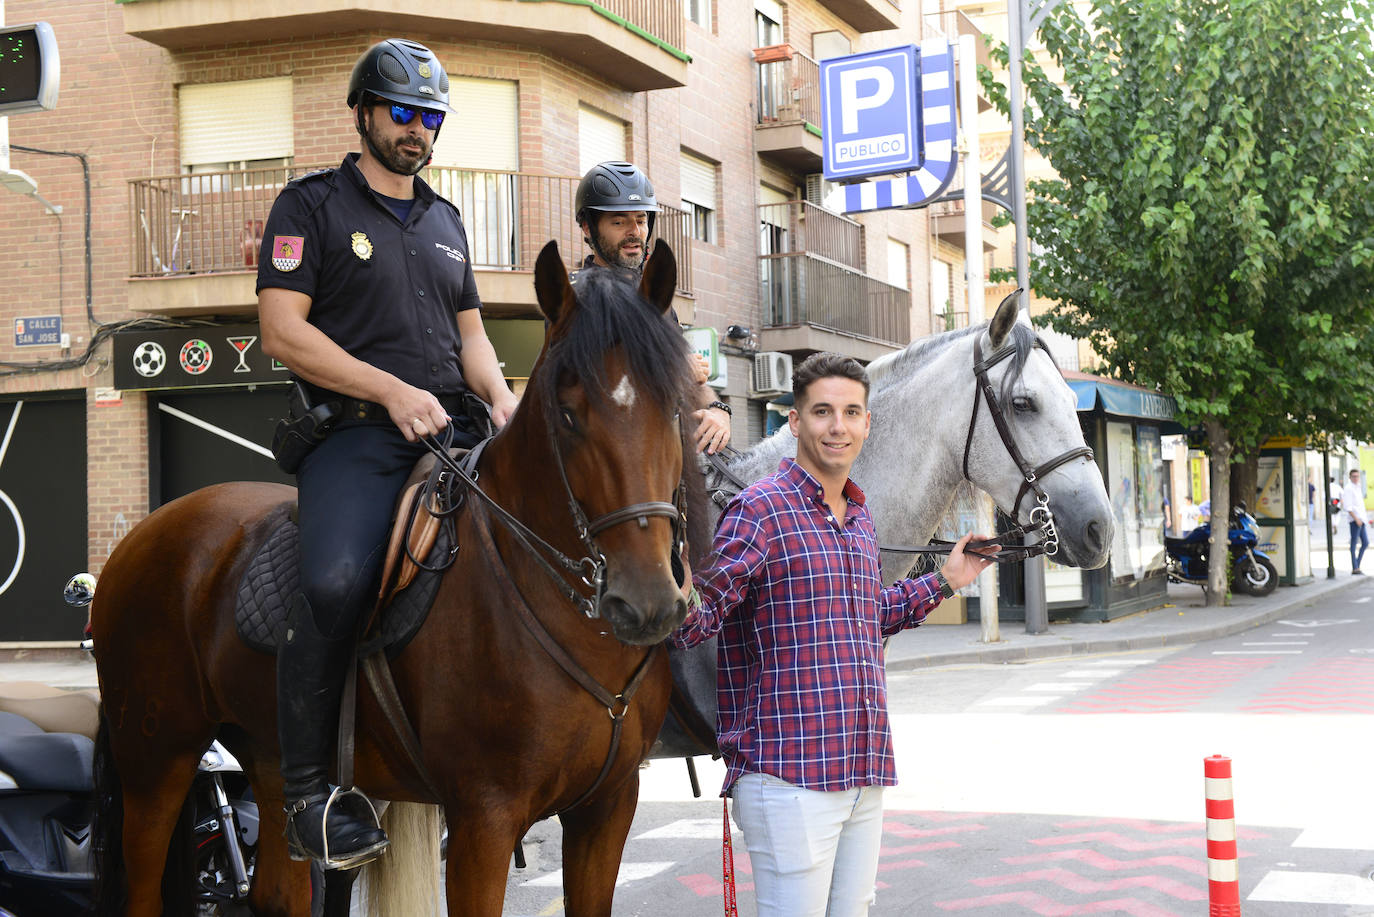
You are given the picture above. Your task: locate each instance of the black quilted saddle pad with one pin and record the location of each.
(274, 576)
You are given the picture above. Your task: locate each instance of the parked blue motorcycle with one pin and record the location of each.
(1254, 572)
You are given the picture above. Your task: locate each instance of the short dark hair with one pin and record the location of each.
(824, 365)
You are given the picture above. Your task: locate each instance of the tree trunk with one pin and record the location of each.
(1245, 481)
(1219, 551)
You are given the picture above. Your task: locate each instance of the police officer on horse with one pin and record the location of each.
(616, 208)
(366, 292)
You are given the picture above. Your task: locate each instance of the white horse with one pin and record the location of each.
(924, 399)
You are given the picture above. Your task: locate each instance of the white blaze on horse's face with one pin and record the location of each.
(624, 393)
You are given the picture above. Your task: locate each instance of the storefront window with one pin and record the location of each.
(1135, 484)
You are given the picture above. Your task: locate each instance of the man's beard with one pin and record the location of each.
(619, 258)
(396, 160)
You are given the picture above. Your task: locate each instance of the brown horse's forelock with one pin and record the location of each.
(611, 313)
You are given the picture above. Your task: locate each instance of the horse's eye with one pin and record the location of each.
(568, 417)
(1023, 404)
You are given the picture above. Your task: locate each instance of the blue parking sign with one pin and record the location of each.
(871, 113)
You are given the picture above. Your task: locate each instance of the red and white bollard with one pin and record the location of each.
(1223, 875)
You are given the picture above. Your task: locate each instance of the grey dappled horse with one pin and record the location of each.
(922, 400)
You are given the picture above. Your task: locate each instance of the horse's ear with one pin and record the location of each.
(660, 277)
(1003, 319)
(551, 286)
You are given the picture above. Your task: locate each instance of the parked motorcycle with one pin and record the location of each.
(48, 802)
(1186, 560)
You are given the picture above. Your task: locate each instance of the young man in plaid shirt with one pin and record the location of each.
(793, 589)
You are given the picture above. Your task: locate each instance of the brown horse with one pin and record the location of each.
(507, 736)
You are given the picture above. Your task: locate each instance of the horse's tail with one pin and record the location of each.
(405, 882)
(107, 844)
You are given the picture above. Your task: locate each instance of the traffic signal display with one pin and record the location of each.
(29, 70)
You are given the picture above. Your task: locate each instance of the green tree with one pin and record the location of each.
(1211, 227)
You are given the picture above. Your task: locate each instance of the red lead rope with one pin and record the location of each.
(727, 865)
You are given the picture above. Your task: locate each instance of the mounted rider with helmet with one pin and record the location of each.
(616, 209)
(366, 292)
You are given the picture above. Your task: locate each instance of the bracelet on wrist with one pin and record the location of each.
(722, 406)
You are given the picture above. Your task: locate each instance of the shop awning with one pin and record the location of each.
(1120, 398)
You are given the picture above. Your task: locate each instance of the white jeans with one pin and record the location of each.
(814, 853)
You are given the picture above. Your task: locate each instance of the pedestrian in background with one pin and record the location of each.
(793, 588)
(1352, 503)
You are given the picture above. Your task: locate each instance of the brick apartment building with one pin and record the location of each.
(179, 120)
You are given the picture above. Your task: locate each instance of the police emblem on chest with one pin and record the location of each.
(362, 246)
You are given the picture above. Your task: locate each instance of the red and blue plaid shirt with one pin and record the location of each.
(802, 614)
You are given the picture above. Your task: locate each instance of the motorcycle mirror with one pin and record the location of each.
(80, 590)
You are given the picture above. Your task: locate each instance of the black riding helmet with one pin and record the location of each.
(401, 71)
(614, 187)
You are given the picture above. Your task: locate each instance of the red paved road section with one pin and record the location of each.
(1068, 867)
(1171, 686)
(1334, 685)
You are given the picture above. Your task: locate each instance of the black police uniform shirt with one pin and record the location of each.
(385, 292)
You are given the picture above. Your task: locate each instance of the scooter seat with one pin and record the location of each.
(60, 761)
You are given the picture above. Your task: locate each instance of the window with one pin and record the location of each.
(767, 23)
(600, 138)
(825, 45)
(471, 167)
(698, 11)
(941, 317)
(897, 257)
(493, 105)
(698, 178)
(239, 125)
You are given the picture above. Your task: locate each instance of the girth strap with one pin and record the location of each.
(617, 705)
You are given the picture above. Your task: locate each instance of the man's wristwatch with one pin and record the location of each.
(946, 589)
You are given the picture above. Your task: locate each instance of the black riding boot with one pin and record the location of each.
(310, 676)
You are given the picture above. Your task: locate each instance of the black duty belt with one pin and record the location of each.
(356, 410)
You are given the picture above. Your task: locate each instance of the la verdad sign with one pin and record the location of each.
(871, 113)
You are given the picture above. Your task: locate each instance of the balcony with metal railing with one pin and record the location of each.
(637, 45)
(812, 285)
(195, 238)
(947, 222)
(788, 131)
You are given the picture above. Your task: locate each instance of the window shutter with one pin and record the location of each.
(771, 195)
(491, 140)
(698, 181)
(600, 138)
(228, 122)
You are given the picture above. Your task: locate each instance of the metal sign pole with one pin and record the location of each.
(973, 273)
(1021, 24)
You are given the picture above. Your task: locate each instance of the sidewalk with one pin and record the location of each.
(1183, 620)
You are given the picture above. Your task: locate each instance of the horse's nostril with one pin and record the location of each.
(1092, 536)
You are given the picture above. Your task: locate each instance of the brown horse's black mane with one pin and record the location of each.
(611, 313)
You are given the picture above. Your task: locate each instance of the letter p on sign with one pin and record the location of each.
(852, 102)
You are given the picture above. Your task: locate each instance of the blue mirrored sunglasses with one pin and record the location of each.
(404, 114)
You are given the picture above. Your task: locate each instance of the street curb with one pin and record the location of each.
(1078, 647)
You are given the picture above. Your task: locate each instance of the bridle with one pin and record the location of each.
(1041, 518)
(590, 568)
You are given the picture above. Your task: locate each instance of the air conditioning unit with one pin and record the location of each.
(772, 373)
(818, 190)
